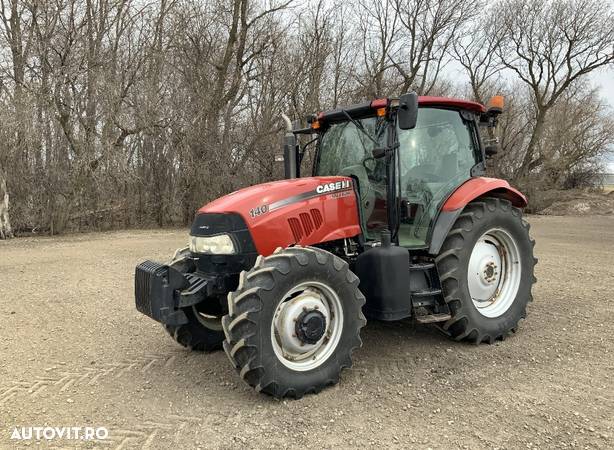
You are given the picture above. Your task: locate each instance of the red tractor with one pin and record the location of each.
(396, 221)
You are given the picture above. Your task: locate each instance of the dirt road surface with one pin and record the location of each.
(75, 352)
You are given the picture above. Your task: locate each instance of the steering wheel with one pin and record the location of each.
(369, 164)
(367, 193)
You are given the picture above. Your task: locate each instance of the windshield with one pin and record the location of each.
(344, 145)
(345, 149)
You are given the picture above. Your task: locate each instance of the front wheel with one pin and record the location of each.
(294, 322)
(486, 266)
(202, 332)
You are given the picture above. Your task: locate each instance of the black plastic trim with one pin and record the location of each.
(211, 224)
(442, 227)
(358, 111)
(224, 264)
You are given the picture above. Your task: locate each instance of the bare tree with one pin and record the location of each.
(475, 50)
(549, 45)
(427, 30)
(378, 27)
(13, 16)
(342, 64)
(5, 224)
(576, 138)
(123, 113)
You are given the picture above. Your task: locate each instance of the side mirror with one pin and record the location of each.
(408, 111)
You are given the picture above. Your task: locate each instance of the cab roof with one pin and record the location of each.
(367, 109)
(451, 103)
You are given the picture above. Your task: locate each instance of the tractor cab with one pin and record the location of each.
(406, 155)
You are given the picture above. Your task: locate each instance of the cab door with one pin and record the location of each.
(434, 159)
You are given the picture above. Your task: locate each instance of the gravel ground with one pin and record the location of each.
(75, 352)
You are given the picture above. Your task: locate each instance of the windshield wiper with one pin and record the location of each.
(359, 126)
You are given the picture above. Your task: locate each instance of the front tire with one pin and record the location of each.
(203, 332)
(199, 334)
(486, 267)
(294, 322)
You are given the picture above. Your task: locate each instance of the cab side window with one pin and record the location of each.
(434, 159)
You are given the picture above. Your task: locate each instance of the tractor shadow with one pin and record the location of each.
(405, 351)
(397, 352)
(403, 332)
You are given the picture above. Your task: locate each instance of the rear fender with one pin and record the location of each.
(467, 192)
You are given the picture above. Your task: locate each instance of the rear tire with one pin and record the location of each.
(486, 267)
(269, 338)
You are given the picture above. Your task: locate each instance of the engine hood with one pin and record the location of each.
(298, 211)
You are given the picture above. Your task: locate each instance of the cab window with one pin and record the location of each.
(434, 159)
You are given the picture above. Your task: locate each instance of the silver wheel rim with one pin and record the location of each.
(208, 321)
(306, 297)
(494, 272)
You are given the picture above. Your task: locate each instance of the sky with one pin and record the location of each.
(605, 80)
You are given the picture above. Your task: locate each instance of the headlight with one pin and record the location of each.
(216, 245)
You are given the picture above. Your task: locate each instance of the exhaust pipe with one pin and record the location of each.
(288, 123)
(291, 169)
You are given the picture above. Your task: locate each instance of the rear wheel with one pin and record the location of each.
(294, 322)
(486, 268)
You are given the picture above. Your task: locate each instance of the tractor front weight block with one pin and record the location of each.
(161, 291)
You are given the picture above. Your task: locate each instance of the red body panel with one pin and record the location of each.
(301, 211)
(475, 187)
(451, 102)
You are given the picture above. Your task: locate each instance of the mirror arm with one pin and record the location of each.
(380, 152)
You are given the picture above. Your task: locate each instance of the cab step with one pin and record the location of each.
(421, 266)
(432, 318)
(426, 293)
(428, 302)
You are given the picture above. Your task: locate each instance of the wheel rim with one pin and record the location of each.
(494, 272)
(213, 322)
(307, 326)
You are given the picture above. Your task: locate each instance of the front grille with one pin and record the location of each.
(306, 224)
(317, 218)
(297, 230)
(142, 285)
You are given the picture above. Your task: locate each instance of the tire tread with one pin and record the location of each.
(459, 326)
(241, 343)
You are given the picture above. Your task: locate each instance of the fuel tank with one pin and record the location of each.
(301, 211)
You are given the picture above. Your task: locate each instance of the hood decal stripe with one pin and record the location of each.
(303, 196)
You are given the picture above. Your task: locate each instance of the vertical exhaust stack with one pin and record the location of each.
(290, 151)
